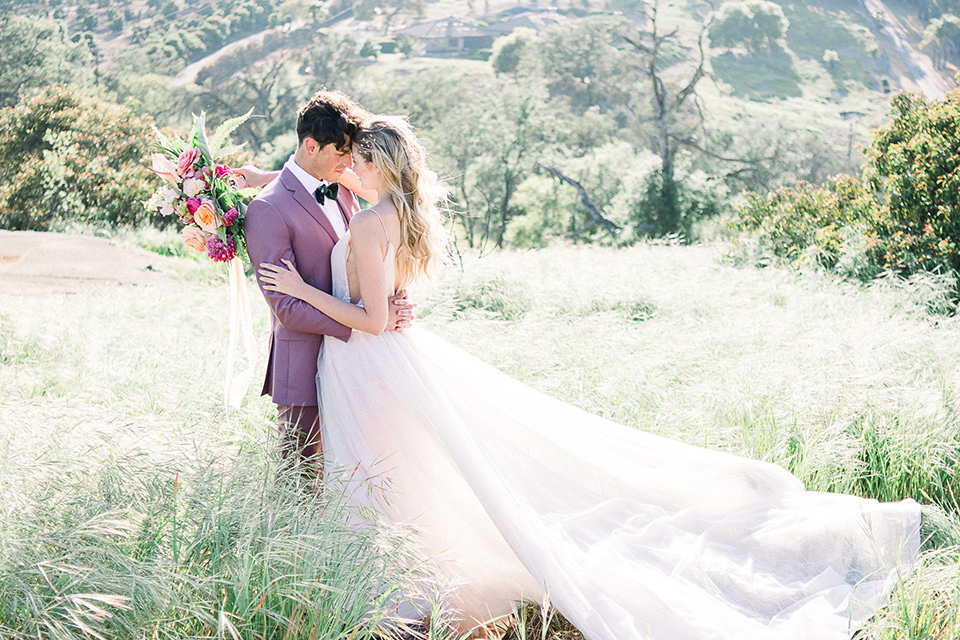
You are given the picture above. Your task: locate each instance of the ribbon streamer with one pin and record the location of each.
(235, 386)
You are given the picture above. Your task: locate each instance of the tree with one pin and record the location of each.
(35, 52)
(942, 35)
(387, 9)
(580, 62)
(749, 23)
(915, 162)
(64, 155)
(929, 9)
(596, 218)
(489, 143)
(676, 118)
(273, 79)
(514, 53)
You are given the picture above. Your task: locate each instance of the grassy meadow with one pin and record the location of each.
(135, 505)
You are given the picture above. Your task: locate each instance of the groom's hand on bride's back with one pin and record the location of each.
(401, 310)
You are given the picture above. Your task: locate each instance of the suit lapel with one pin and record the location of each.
(345, 196)
(307, 201)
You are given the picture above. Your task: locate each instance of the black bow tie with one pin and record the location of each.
(326, 191)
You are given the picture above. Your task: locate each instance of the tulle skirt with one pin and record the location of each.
(516, 494)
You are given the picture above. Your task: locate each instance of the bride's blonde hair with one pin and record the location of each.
(390, 143)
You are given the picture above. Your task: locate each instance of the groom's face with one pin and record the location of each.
(327, 162)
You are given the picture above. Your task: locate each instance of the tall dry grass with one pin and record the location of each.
(134, 505)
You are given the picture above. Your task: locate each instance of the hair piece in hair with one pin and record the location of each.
(390, 143)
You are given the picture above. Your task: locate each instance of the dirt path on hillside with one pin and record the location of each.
(911, 66)
(34, 263)
(189, 73)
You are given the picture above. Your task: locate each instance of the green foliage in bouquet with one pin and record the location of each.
(904, 209)
(66, 156)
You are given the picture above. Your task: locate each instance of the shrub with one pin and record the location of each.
(915, 162)
(625, 187)
(905, 208)
(792, 219)
(370, 49)
(67, 156)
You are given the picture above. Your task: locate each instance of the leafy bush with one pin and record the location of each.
(915, 162)
(904, 209)
(625, 187)
(698, 196)
(64, 155)
(792, 219)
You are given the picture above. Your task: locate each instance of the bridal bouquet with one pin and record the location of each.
(207, 198)
(205, 195)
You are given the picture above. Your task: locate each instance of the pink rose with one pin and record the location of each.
(195, 237)
(161, 166)
(192, 205)
(206, 217)
(223, 170)
(187, 160)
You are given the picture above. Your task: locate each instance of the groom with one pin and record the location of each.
(299, 216)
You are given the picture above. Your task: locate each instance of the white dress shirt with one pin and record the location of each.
(329, 207)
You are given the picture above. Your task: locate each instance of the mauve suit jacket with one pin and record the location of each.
(284, 221)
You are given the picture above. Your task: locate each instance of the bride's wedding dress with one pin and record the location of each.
(633, 535)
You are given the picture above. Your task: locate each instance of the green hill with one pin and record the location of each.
(789, 93)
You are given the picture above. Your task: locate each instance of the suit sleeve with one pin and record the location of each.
(268, 240)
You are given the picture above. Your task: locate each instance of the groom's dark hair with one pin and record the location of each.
(329, 117)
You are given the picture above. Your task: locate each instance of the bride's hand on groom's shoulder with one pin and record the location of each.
(282, 280)
(401, 310)
(253, 176)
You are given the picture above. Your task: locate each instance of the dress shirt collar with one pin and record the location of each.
(309, 182)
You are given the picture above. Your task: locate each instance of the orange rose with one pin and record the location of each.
(195, 237)
(207, 217)
(164, 168)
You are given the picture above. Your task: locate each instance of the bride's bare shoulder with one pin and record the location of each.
(364, 221)
(367, 226)
(372, 221)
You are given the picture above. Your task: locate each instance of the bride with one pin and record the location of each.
(518, 495)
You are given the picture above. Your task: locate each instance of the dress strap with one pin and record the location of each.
(383, 226)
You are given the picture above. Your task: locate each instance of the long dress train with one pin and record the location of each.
(633, 536)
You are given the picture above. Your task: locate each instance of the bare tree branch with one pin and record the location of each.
(691, 142)
(597, 218)
(698, 74)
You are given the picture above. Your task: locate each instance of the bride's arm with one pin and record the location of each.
(351, 181)
(368, 252)
(255, 177)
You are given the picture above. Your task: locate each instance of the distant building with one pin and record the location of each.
(536, 20)
(449, 34)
